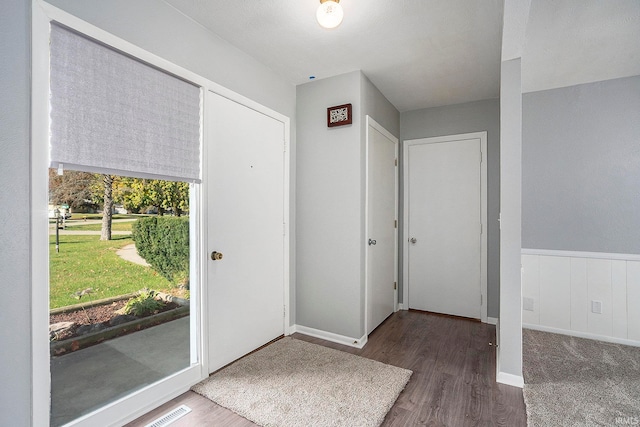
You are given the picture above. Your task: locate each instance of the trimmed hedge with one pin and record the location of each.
(164, 243)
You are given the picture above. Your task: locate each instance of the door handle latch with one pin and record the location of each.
(216, 256)
(372, 242)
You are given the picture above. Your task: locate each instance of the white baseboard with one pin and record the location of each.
(510, 379)
(400, 306)
(492, 320)
(578, 334)
(330, 336)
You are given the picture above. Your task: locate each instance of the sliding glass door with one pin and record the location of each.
(117, 217)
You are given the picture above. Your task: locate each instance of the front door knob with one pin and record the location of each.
(413, 240)
(372, 242)
(216, 256)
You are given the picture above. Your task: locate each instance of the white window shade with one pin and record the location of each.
(113, 114)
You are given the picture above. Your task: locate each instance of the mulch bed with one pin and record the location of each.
(98, 317)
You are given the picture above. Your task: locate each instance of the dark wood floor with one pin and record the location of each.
(453, 383)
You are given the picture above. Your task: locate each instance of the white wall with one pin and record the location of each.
(465, 118)
(330, 203)
(559, 288)
(15, 304)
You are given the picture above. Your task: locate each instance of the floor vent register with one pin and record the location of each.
(170, 417)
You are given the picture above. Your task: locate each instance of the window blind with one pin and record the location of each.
(113, 114)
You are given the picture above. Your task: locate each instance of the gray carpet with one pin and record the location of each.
(295, 383)
(579, 382)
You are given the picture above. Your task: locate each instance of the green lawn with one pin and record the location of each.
(86, 262)
(115, 226)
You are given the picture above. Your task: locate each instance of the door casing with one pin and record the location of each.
(483, 212)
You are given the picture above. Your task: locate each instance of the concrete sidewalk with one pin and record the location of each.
(87, 379)
(130, 253)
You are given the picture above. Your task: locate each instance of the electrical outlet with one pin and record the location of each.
(527, 304)
(596, 307)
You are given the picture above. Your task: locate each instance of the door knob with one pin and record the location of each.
(216, 256)
(413, 240)
(372, 242)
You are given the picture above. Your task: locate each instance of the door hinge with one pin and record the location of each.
(284, 229)
(396, 162)
(481, 299)
(395, 285)
(395, 223)
(480, 156)
(480, 228)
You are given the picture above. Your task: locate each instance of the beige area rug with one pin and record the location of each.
(295, 383)
(579, 382)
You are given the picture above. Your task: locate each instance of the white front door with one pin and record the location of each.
(246, 219)
(443, 188)
(381, 224)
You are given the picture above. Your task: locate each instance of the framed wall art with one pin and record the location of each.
(339, 115)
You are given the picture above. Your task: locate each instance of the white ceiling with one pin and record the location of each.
(427, 53)
(419, 53)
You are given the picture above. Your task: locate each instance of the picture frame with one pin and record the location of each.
(339, 115)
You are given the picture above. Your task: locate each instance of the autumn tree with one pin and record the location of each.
(72, 188)
(136, 194)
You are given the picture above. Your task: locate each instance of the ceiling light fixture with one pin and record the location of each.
(329, 14)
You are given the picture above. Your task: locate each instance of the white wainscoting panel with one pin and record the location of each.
(531, 287)
(633, 300)
(564, 285)
(555, 291)
(599, 289)
(619, 298)
(579, 297)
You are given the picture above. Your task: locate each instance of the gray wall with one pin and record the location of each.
(581, 168)
(15, 304)
(328, 208)
(510, 323)
(379, 108)
(331, 201)
(464, 118)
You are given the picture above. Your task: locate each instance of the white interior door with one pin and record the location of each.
(443, 188)
(246, 223)
(381, 224)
